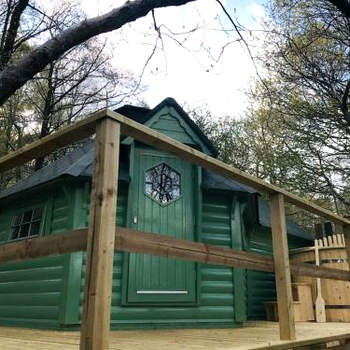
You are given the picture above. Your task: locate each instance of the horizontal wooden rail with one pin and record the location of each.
(97, 295)
(86, 127)
(68, 242)
(160, 245)
(163, 142)
(50, 143)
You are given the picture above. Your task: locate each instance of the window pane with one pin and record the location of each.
(175, 192)
(37, 214)
(35, 228)
(24, 231)
(17, 220)
(175, 177)
(163, 183)
(27, 223)
(27, 217)
(15, 232)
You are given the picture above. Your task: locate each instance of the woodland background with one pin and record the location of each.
(294, 134)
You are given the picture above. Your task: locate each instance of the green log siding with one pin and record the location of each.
(216, 301)
(48, 292)
(261, 285)
(32, 292)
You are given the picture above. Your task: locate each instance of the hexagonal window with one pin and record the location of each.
(163, 183)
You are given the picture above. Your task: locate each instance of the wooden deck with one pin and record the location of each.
(256, 335)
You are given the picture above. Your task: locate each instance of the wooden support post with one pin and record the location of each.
(282, 270)
(346, 231)
(338, 228)
(101, 236)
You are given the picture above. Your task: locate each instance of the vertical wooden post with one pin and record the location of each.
(338, 229)
(101, 232)
(282, 270)
(346, 231)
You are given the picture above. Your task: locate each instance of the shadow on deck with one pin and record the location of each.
(256, 335)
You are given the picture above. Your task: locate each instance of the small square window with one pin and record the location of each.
(26, 224)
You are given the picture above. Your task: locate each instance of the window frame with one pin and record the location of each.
(179, 185)
(21, 211)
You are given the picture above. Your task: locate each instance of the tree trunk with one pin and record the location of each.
(15, 76)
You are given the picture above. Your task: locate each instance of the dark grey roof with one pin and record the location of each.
(80, 163)
(76, 163)
(292, 227)
(213, 181)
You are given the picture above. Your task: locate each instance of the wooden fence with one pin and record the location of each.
(102, 237)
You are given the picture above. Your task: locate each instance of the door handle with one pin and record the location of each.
(135, 220)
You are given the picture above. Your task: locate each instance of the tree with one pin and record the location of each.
(14, 76)
(308, 83)
(80, 81)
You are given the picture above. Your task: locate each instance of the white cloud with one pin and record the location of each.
(190, 76)
(256, 11)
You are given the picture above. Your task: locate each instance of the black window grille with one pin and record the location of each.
(26, 224)
(163, 183)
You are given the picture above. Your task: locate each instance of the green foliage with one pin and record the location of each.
(307, 68)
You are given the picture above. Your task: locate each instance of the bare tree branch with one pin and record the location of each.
(16, 75)
(343, 6)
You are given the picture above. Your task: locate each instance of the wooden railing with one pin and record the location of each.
(102, 238)
(332, 241)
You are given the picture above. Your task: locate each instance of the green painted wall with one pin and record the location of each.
(48, 292)
(32, 292)
(168, 122)
(216, 295)
(170, 126)
(261, 285)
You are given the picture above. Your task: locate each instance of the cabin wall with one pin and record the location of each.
(32, 292)
(216, 305)
(261, 285)
(48, 292)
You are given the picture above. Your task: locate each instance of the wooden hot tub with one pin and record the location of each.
(335, 293)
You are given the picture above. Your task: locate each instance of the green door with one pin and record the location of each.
(163, 202)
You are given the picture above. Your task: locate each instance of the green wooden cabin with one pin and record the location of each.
(159, 193)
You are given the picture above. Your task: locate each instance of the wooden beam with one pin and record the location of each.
(346, 231)
(47, 144)
(163, 142)
(157, 244)
(282, 270)
(62, 243)
(101, 235)
(144, 134)
(142, 242)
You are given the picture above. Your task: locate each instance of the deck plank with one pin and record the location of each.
(254, 336)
